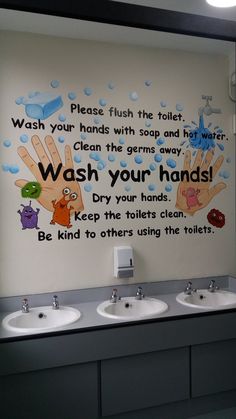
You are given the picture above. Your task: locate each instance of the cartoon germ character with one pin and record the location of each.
(216, 218)
(29, 217)
(61, 214)
(191, 196)
(31, 190)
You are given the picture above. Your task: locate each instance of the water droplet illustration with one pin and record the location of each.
(77, 158)
(7, 143)
(88, 91)
(171, 163)
(111, 85)
(83, 136)
(97, 120)
(158, 158)
(94, 156)
(24, 138)
(221, 146)
(62, 117)
(133, 96)
(123, 163)
(5, 167)
(14, 169)
(72, 95)
(228, 160)
(88, 187)
(163, 103)
(168, 187)
(152, 167)
(55, 83)
(148, 123)
(152, 187)
(101, 165)
(61, 139)
(19, 100)
(102, 102)
(148, 83)
(128, 188)
(160, 141)
(138, 159)
(111, 157)
(122, 140)
(179, 107)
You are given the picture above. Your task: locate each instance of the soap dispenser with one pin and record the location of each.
(123, 262)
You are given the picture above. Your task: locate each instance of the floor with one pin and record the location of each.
(219, 414)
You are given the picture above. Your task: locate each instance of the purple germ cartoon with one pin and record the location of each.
(29, 217)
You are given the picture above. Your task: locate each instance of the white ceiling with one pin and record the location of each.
(198, 7)
(71, 28)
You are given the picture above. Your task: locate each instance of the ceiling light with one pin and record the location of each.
(222, 3)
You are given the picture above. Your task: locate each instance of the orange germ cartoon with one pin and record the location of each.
(61, 214)
(191, 195)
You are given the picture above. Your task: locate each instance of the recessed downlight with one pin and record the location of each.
(222, 3)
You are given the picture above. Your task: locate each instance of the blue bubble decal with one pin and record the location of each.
(97, 120)
(152, 167)
(122, 140)
(88, 91)
(111, 157)
(62, 117)
(14, 169)
(163, 104)
(160, 141)
(7, 143)
(179, 107)
(88, 187)
(147, 83)
(168, 187)
(221, 146)
(24, 138)
(61, 139)
(228, 160)
(123, 163)
(225, 174)
(83, 136)
(19, 100)
(101, 165)
(151, 187)
(77, 158)
(72, 95)
(171, 163)
(55, 83)
(5, 167)
(102, 102)
(182, 142)
(148, 123)
(94, 156)
(128, 188)
(138, 159)
(133, 96)
(158, 158)
(111, 85)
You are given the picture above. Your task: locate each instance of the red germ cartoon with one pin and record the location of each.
(216, 218)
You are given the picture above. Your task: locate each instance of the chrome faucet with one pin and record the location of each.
(114, 296)
(212, 287)
(189, 290)
(55, 303)
(139, 294)
(207, 109)
(25, 306)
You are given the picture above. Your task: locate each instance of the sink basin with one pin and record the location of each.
(208, 300)
(40, 319)
(129, 308)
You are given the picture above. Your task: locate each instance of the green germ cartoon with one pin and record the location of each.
(31, 190)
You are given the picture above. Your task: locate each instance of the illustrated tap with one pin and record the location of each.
(207, 109)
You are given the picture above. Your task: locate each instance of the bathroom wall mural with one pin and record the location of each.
(99, 152)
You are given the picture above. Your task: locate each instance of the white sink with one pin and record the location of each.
(129, 308)
(40, 319)
(208, 300)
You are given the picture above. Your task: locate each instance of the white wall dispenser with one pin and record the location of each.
(123, 262)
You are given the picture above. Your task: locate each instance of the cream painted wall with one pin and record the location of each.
(29, 63)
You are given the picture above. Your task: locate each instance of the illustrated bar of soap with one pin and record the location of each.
(42, 105)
